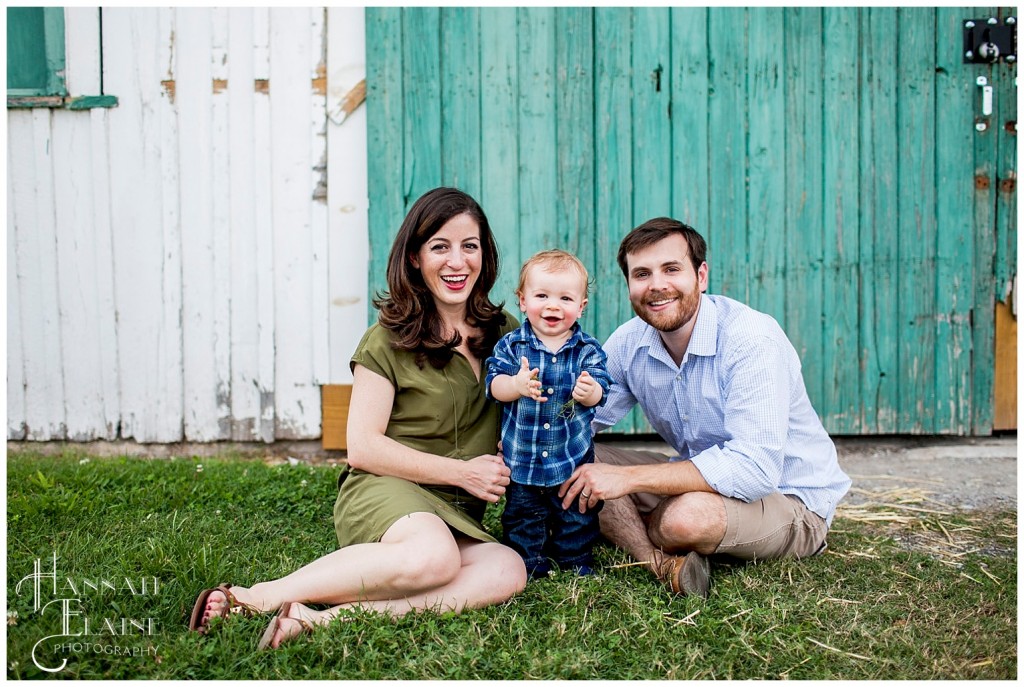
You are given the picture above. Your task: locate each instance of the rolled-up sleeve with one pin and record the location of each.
(748, 464)
(502, 362)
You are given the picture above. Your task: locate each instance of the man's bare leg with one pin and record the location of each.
(621, 525)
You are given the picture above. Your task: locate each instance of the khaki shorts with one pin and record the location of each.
(777, 526)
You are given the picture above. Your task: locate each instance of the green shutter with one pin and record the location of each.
(35, 51)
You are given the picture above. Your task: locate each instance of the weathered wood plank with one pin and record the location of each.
(37, 243)
(689, 111)
(804, 194)
(537, 136)
(651, 78)
(19, 192)
(82, 72)
(291, 161)
(347, 198)
(499, 157)
(879, 360)
(241, 196)
(385, 122)
(206, 398)
(841, 275)
(727, 168)
(421, 79)
(316, 103)
(954, 295)
(263, 227)
(220, 217)
(76, 268)
(766, 210)
(917, 231)
(574, 110)
(460, 98)
(613, 36)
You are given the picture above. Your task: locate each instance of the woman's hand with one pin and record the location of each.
(485, 477)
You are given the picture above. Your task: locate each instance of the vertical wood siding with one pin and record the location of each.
(829, 156)
(168, 273)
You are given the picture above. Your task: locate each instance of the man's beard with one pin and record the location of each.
(681, 312)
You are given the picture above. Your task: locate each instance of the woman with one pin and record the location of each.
(421, 437)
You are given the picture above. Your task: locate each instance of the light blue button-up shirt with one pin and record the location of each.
(736, 406)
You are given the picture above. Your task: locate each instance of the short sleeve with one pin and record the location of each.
(374, 352)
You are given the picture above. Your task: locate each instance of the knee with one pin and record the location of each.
(689, 522)
(428, 567)
(508, 571)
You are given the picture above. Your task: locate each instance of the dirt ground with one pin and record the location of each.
(968, 473)
(960, 472)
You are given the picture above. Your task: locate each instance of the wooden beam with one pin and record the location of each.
(1005, 369)
(334, 404)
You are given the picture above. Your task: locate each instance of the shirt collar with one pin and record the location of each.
(704, 339)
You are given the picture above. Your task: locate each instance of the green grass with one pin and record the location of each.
(886, 602)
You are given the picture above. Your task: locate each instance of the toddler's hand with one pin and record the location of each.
(587, 391)
(527, 383)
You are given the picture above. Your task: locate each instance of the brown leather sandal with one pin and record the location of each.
(275, 625)
(233, 605)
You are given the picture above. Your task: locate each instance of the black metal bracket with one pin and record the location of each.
(989, 40)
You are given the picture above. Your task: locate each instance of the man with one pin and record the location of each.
(757, 476)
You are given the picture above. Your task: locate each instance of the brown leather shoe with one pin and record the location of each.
(689, 575)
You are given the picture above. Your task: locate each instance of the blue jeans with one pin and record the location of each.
(537, 527)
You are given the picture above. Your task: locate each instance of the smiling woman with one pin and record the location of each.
(449, 264)
(411, 498)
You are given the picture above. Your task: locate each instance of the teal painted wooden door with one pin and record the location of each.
(830, 157)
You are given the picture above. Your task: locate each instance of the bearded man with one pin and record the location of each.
(756, 476)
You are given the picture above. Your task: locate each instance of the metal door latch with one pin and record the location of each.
(988, 40)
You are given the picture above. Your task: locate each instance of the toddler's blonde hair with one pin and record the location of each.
(554, 260)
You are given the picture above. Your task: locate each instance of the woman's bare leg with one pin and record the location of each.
(417, 554)
(490, 574)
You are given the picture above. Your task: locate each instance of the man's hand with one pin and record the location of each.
(594, 482)
(587, 391)
(527, 383)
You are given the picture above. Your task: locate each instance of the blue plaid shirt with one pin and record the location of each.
(544, 442)
(736, 407)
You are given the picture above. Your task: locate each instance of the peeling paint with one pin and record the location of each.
(261, 85)
(220, 85)
(319, 82)
(168, 86)
(346, 300)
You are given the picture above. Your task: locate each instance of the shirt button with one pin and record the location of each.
(554, 359)
(547, 425)
(678, 377)
(551, 391)
(544, 454)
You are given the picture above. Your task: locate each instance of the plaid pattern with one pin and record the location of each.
(736, 406)
(544, 442)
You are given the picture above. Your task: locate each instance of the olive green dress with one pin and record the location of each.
(444, 412)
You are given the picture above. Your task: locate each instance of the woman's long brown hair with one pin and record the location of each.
(407, 308)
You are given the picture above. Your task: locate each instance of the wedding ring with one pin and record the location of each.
(585, 494)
